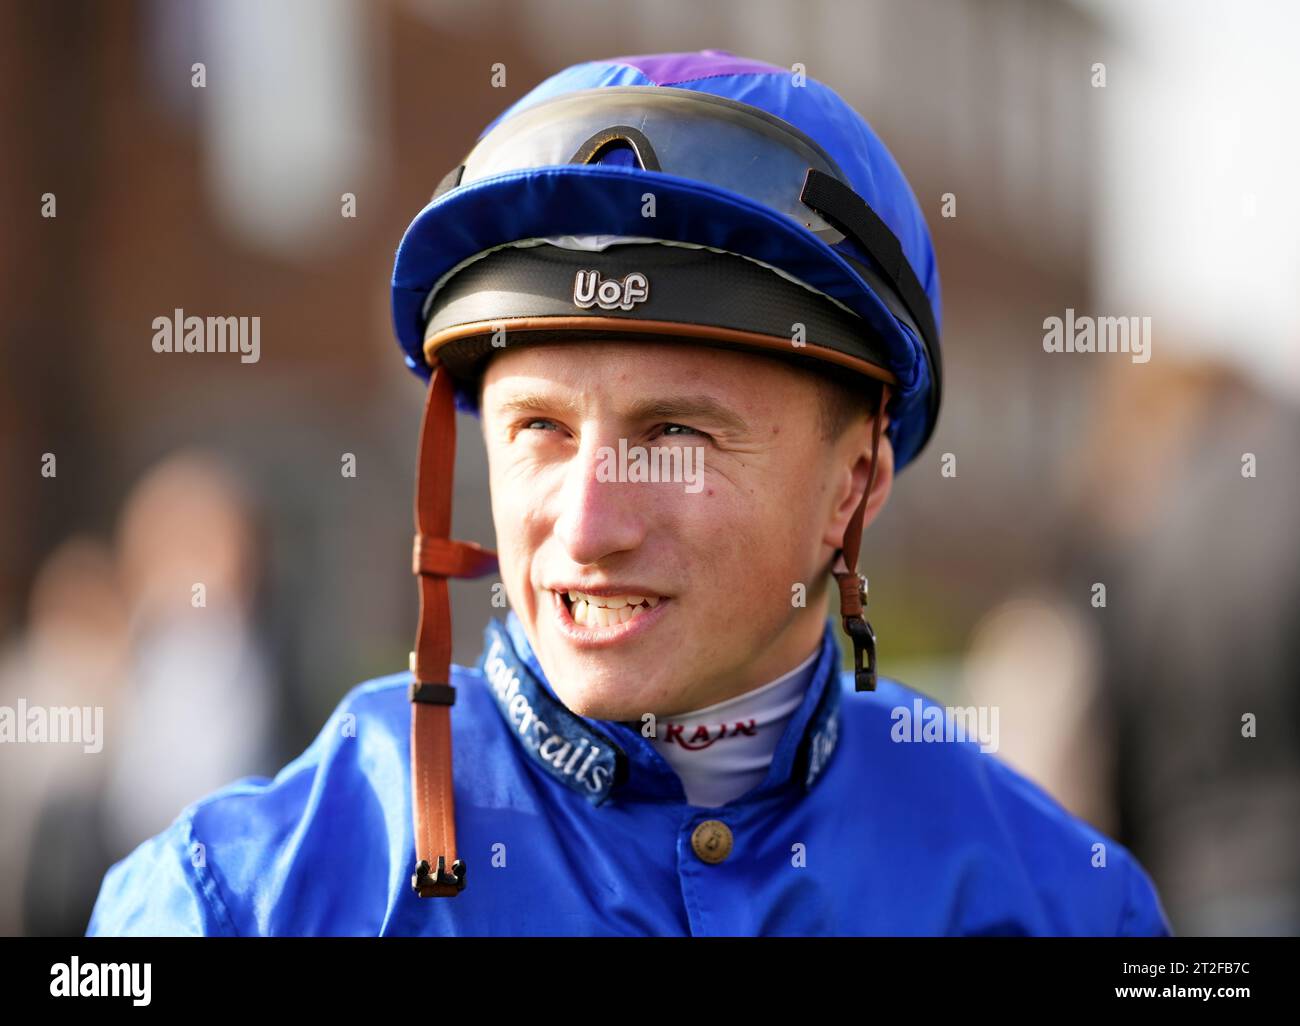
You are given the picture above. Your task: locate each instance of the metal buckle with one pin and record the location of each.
(424, 881)
(864, 643)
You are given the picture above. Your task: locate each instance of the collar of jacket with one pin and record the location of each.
(604, 759)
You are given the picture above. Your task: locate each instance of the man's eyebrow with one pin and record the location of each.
(683, 407)
(688, 407)
(536, 402)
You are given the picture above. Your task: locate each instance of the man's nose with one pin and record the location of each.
(599, 514)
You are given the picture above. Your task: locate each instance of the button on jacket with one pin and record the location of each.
(577, 826)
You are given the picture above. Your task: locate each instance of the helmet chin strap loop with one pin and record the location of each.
(436, 557)
(853, 585)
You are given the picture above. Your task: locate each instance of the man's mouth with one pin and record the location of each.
(590, 610)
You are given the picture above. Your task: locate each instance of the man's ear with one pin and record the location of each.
(851, 494)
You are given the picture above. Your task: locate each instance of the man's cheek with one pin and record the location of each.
(515, 520)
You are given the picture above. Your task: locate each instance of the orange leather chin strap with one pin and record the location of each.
(436, 557)
(438, 872)
(853, 586)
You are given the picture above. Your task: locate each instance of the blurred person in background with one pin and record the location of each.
(72, 653)
(199, 707)
(1132, 712)
(1196, 535)
(159, 634)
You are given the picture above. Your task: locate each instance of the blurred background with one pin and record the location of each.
(1161, 185)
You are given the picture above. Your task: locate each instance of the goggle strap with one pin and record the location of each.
(848, 212)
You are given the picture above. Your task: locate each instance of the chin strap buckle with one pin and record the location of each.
(864, 641)
(428, 884)
(852, 585)
(860, 632)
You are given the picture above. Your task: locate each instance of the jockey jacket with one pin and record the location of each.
(576, 826)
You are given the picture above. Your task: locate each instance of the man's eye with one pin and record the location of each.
(538, 420)
(669, 427)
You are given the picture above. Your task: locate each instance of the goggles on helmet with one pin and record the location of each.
(677, 131)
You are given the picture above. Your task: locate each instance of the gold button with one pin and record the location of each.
(712, 841)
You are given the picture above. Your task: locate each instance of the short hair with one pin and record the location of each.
(845, 397)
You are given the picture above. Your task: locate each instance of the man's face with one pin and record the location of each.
(758, 510)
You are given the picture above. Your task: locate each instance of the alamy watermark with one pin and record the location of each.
(78, 724)
(76, 978)
(1084, 334)
(181, 334)
(655, 463)
(945, 723)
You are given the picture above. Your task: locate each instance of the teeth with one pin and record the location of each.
(611, 610)
(612, 601)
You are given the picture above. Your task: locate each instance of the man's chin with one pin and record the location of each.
(600, 692)
(596, 704)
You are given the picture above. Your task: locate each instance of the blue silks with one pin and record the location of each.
(853, 831)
